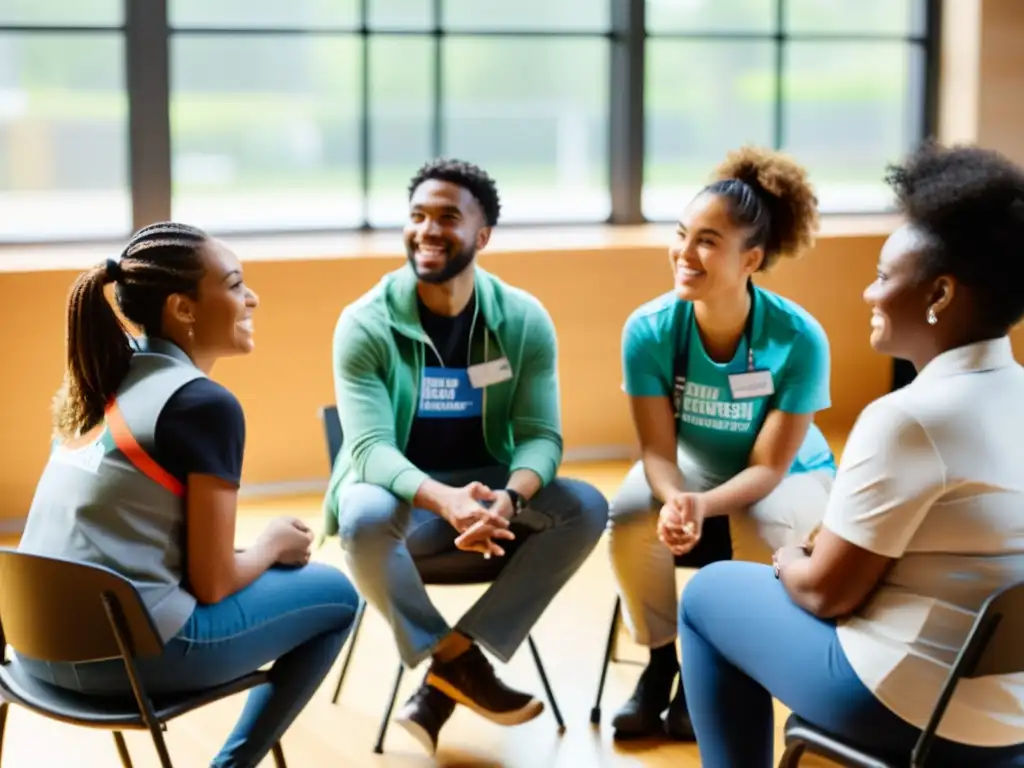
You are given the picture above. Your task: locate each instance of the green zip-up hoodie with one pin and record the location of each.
(379, 353)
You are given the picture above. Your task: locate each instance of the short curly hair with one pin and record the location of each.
(466, 175)
(769, 194)
(969, 203)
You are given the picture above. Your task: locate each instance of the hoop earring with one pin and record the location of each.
(931, 317)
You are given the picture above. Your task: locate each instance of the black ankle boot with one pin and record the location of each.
(677, 719)
(640, 716)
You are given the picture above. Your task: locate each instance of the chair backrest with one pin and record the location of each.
(332, 432)
(995, 646)
(57, 610)
(996, 642)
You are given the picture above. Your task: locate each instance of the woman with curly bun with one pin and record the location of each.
(723, 379)
(924, 522)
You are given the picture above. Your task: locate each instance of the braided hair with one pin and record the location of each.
(160, 260)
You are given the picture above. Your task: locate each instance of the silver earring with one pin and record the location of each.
(191, 335)
(932, 319)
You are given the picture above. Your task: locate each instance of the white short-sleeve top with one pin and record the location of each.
(933, 476)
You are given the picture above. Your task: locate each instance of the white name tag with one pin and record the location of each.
(486, 374)
(751, 384)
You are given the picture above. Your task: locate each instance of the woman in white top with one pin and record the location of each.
(925, 519)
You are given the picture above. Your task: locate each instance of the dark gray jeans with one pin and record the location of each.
(381, 535)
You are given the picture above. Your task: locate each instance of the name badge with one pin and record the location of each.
(446, 394)
(493, 372)
(751, 384)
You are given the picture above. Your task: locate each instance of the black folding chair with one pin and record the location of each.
(995, 646)
(715, 544)
(456, 568)
(60, 611)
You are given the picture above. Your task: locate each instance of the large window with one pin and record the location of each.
(839, 84)
(63, 120)
(292, 115)
(307, 115)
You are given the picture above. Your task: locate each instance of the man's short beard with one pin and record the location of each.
(453, 267)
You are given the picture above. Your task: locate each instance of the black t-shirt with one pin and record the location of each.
(201, 430)
(438, 444)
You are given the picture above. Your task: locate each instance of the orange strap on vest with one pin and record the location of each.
(136, 454)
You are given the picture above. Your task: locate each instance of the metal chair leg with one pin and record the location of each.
(161, 746)
(547, 686)
(595, 713)
(122, 750)
(613, 647)
(791, 757)
(357, 622)
(3, 725)
(278, 752)
(379, 747)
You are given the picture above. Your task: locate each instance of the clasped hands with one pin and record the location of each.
(682, 517)
(681, 521)
(480, 527)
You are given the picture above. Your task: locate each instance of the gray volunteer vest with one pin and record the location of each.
(109, 503)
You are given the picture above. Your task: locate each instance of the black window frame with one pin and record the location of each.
(147, 42)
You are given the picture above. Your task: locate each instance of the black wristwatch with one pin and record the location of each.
(518, 502)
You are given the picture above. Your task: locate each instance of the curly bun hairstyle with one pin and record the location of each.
(769, 194)
(969, 203)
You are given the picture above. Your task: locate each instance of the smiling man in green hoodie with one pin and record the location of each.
(447, 388)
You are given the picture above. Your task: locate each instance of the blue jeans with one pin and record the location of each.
(296, 618)
(744, 641)
(382, 534)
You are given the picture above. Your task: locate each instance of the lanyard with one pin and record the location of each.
(681, 362)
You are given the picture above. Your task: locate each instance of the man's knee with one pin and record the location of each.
(367, 514)
(576, 501)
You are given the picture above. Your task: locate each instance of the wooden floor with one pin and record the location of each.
(570, 636)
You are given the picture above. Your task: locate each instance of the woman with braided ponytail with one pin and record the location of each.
(723, 379)
(144, 477)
